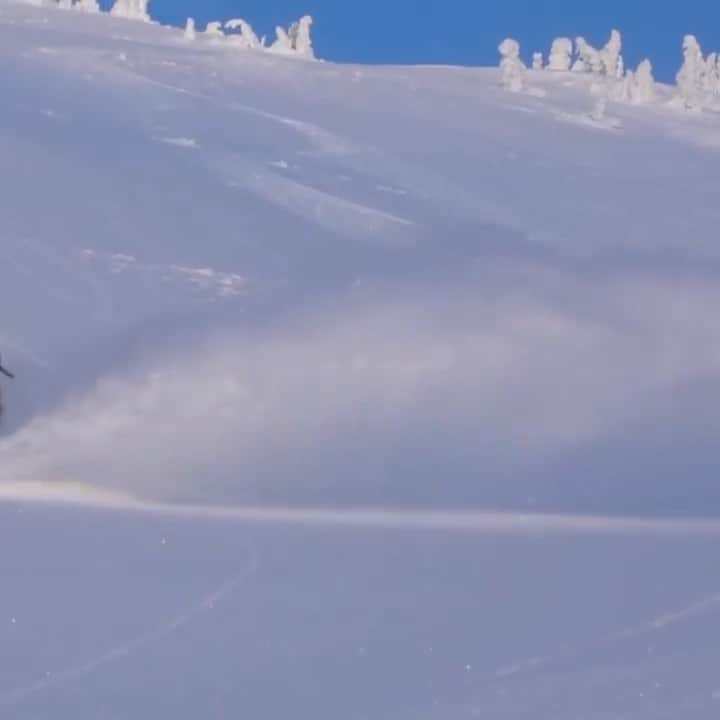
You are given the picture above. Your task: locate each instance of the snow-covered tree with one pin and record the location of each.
(282, 42)
(691, 74)
(190, 30)
(588, 58)
(538, 61)
(300, 37)
(92, 6)
(132, 9)
(610, 58)
(84, 5)
(711, 75)
(639, 86)
(512, 69)
(716, 76)
(246, 37)
(214, 29)
(296, 40)
(560, 54)
(608, 61)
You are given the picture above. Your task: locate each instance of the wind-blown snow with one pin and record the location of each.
(242, 290)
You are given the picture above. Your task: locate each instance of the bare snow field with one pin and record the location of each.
(353, 392)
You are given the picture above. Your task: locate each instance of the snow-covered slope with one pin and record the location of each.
(227, 264)
(236, 279)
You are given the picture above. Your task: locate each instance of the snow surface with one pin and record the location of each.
(348, 392)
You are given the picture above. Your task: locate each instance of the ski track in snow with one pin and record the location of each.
(321, 138)
(700, 607)
(661, 622)
(329, 210)
(418, 180)
(132, 646)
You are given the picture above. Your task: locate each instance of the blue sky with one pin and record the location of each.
(467, 31)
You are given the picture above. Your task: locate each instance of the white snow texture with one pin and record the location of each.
(353, 391)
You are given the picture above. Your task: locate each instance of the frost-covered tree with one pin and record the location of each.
(588, 58)
(282, 42)
(92, 6)
(690, 77)
(716, 76)
(300, 36)
(538, 61)
(624, 92)
(560, 54)
(214, 29)
(639, 86)
(296, 40)
(132, 9)
(246, 37)
(711, 75)
(190, 30)
(512, 69)
(607, 61)
(611, 62)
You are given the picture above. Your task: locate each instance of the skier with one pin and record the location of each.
(5, 372)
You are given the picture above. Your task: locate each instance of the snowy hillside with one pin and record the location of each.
(245, 294)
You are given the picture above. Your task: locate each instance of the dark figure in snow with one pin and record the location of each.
(6, 373)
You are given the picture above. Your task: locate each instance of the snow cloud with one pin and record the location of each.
(246, 415)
